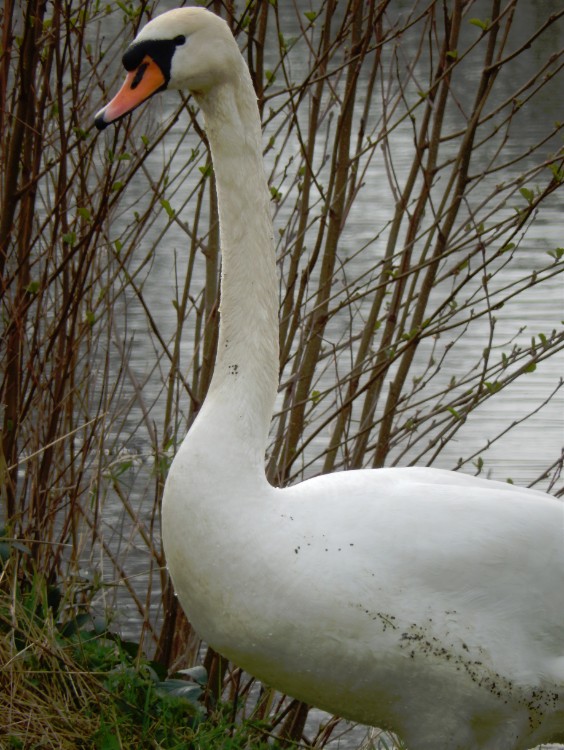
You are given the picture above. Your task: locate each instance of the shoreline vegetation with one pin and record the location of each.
(67, 682)
(435, 105)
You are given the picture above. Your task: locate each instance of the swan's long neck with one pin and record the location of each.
(241, 397)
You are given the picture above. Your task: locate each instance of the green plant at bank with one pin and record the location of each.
(66, 681)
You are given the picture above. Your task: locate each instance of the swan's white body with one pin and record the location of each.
(424, 601)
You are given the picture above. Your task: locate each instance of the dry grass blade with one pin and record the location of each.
(46, 698)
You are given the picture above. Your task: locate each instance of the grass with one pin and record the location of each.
(68, 682)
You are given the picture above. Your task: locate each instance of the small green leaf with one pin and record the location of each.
(531, 367)
(452, 54)
(120, 468)
(207, 170)
(69, 238)
(481, 24)
(311, 15)
(557, 171)
(315, 396)
(493, 387)
(84, 213)
(32, 287)
(168, 208)
(453, 411)
(409, 335)
(125, 9)
(557, 253)
(527, 194)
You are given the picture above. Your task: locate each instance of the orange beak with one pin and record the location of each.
(139, 85)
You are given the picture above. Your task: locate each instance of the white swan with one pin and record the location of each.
(419, 600)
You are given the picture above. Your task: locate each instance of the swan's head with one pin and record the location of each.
(188, 48)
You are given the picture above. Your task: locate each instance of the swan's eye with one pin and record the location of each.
(180, 39)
